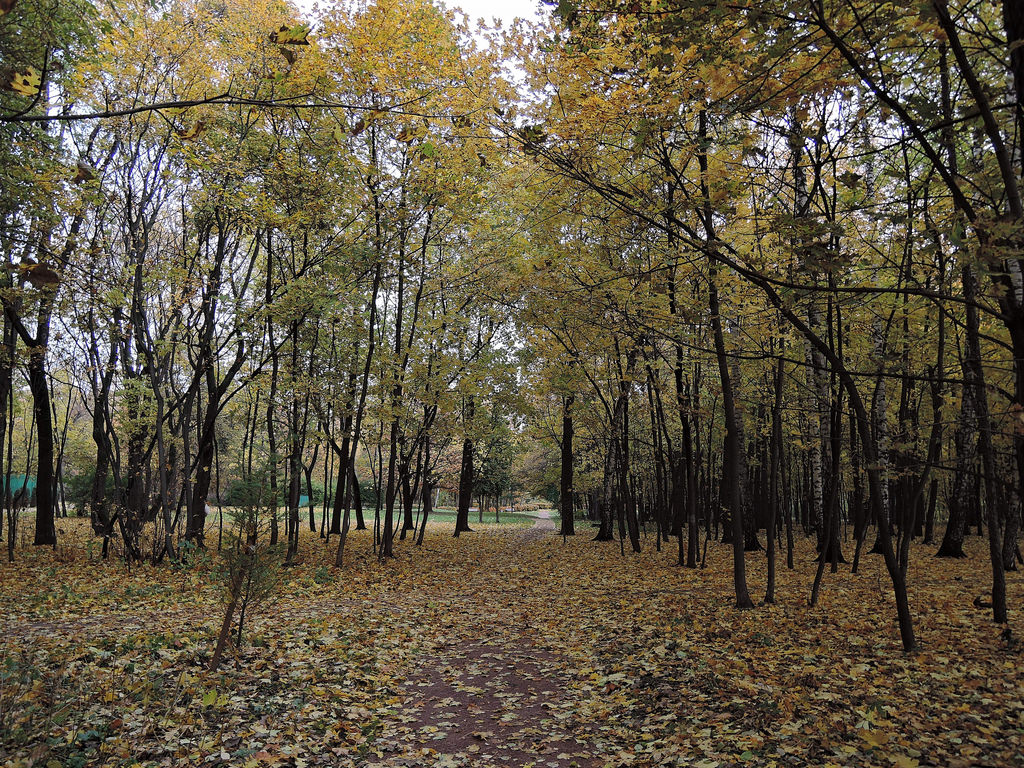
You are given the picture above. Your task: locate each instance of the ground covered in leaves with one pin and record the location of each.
(505, 647)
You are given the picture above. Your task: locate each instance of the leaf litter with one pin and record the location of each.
(504, 648)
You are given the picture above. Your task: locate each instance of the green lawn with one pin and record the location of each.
(444, 514)
(441, 514)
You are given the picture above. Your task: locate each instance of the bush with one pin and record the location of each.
(247, 492)
(78, 488)
(367, 494)
(318, 491)
(249, 567)
(240, 493)
(533, 506)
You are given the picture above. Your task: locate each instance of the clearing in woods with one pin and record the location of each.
(504, 647)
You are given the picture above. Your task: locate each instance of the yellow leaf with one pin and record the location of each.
(25, 83)
(874, 738)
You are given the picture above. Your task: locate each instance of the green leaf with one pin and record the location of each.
(567, 10)
(956, 236)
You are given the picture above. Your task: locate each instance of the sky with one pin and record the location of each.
(506, 10)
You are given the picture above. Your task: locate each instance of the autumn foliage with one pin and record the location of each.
(736, 289)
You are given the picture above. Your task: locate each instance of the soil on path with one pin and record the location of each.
(498, 697)
(543, 525)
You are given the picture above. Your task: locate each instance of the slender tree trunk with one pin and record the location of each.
(977, 381)
(272, 461)
(426, 490)
(775, 451)
(405, 480)
(357, 499)
(7, 352)
(465, 487)
(567, 527)
(46, 530)
(339, 488)
(732, 483)
(627, 504)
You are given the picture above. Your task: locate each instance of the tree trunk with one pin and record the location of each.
(465, 477)
(567, 527)
(46, 530)
(775, 451)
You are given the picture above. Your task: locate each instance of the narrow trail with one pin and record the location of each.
(498, 695)
(542, 526)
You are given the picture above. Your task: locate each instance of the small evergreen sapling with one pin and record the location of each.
(249, 567)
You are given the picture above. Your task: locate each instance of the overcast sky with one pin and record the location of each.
(506, 10)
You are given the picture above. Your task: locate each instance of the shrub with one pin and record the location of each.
(249, 568)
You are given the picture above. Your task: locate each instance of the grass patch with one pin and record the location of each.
(506, 518)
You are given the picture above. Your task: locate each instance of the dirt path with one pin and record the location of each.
(542, 526)
(498, 697)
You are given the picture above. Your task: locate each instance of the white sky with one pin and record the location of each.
(505, 10)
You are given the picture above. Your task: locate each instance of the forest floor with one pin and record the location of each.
(504, 647)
